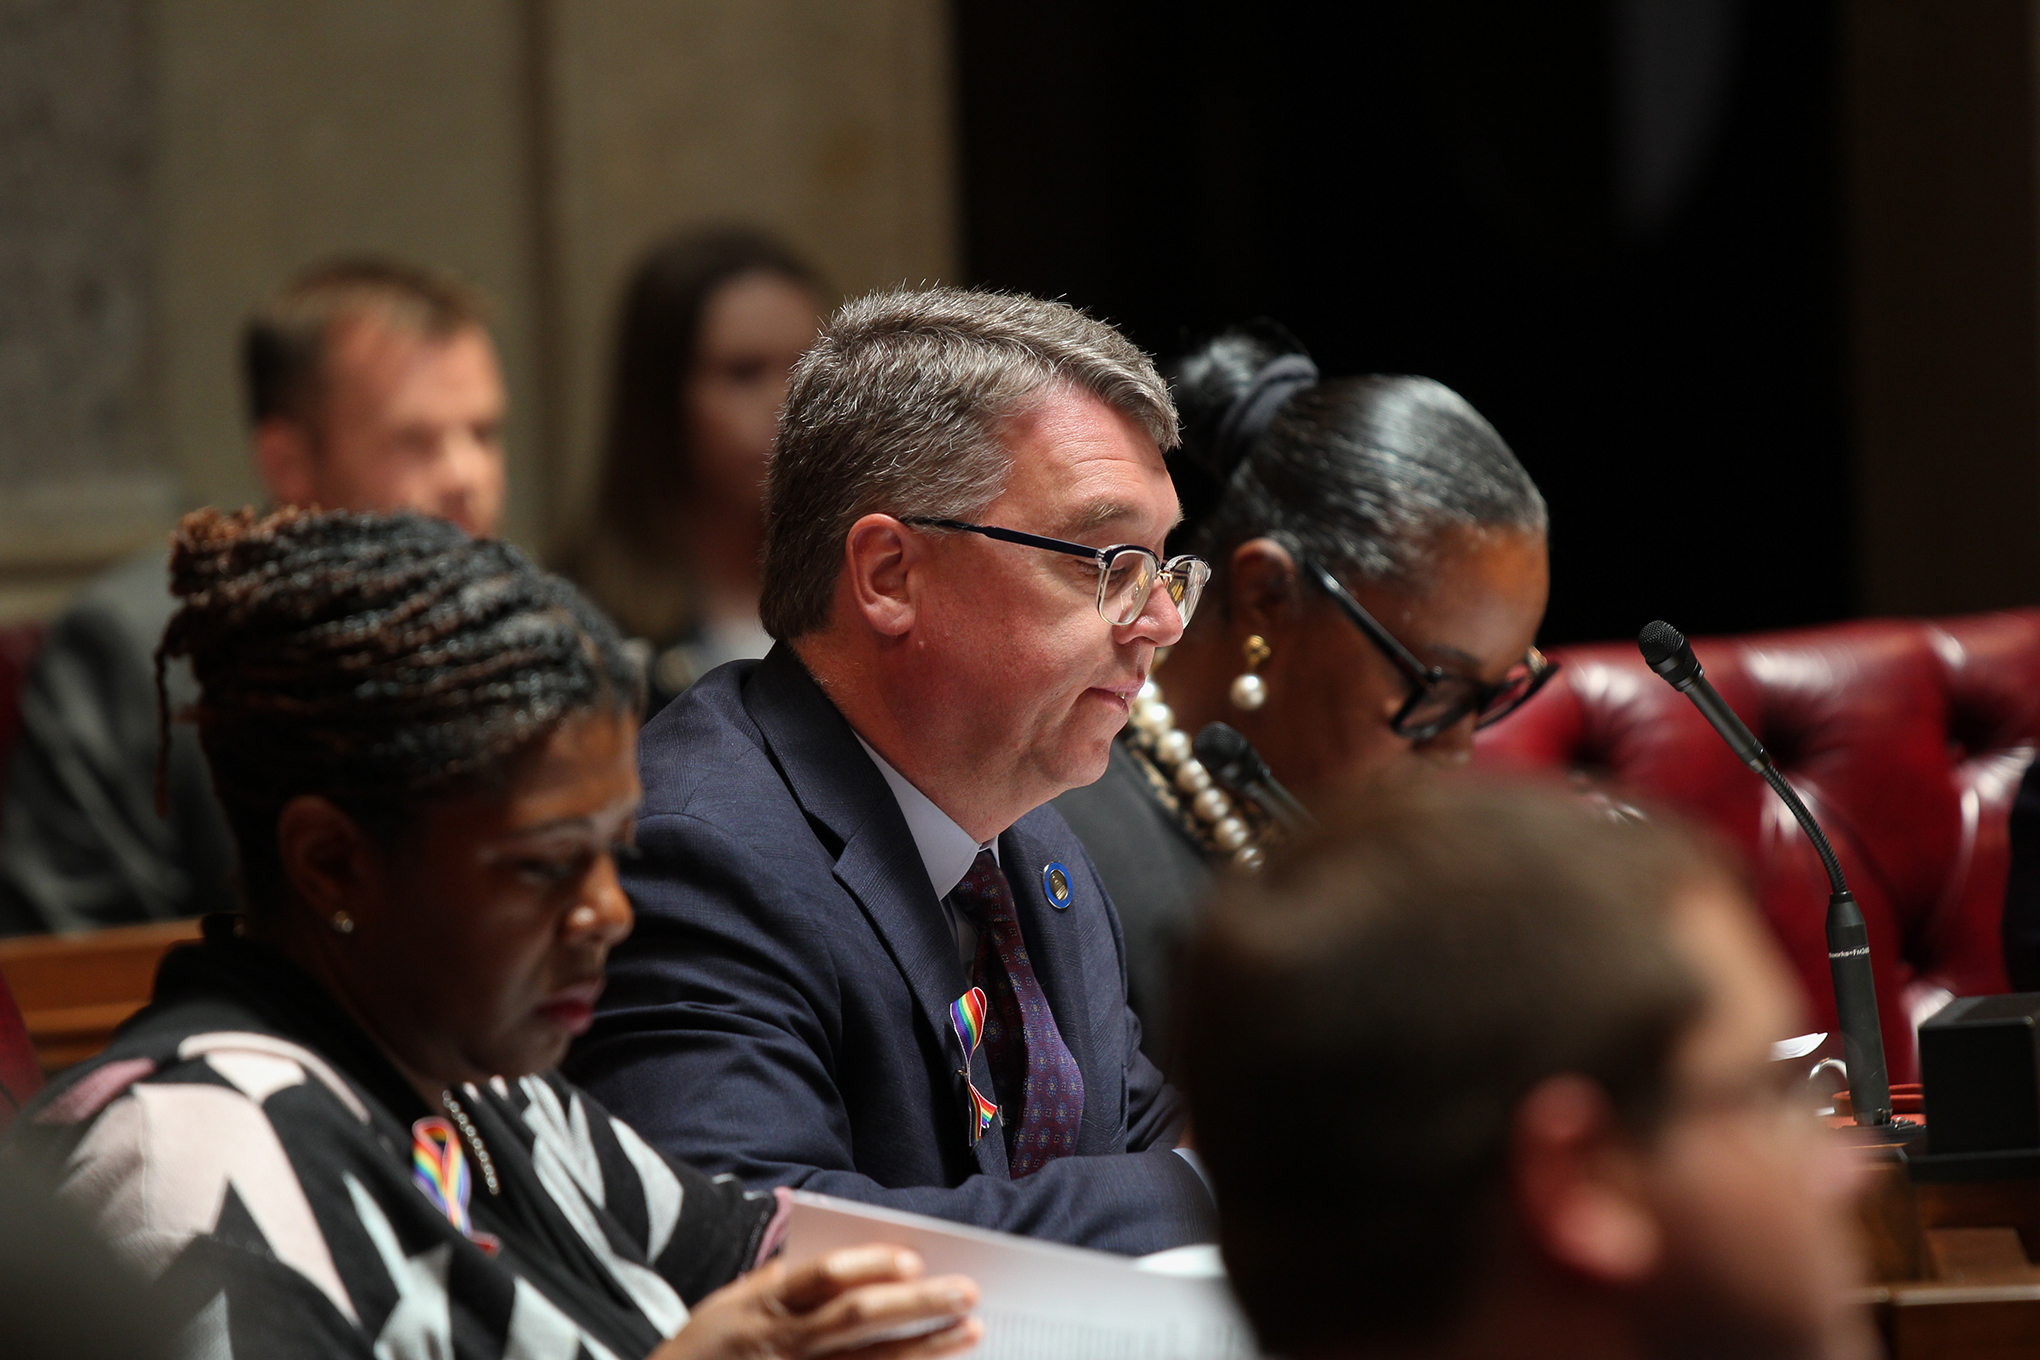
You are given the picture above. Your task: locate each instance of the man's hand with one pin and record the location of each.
(845, 1303)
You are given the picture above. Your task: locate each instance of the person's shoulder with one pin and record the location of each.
(190, 1102)
(206, 1045)
(107, 634)
(706, 764)
(700, 738)
(182, 1140)
(131, 599)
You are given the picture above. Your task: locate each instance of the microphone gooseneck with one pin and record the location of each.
(1234, 762)
(1808, 825)
(1667, 652)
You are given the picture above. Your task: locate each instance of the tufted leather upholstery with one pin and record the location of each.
(18, 644)
(1907, 739)
(20, 1076)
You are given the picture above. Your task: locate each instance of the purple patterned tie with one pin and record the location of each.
(1039, 1086)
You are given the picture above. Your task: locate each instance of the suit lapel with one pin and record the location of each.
(1054, 941)
(881, 869)
(878, 864)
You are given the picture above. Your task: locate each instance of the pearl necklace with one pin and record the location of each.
(1186, 787)
(474, 1141)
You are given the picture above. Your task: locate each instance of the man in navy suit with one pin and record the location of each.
(869, 960)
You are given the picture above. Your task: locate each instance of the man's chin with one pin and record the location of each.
(1082, 760)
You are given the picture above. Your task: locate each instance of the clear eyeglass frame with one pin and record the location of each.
(1127, 572)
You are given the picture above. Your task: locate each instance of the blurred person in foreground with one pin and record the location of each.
(334, 1130)
(1379, 573)
(870, 962)
(712, 323)
(371, 385)
(1535, 1044)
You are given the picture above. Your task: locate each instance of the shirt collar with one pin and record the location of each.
(947, 850)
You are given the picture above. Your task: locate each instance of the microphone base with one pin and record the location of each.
(1898, 1135)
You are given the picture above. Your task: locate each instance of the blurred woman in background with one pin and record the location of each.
(1379, 574)
(711, 324)
(335, 1130)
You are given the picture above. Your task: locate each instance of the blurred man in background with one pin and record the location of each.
(372, 385)
(1520, 1057)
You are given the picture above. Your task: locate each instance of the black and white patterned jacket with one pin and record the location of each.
(247, 1147)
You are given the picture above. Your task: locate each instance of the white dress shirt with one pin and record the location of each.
(947, 850)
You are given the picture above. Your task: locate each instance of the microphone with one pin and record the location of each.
(1234, 762)
(1666, 650)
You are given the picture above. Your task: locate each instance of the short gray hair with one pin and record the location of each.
(897, 409)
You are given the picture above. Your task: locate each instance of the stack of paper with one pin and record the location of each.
(1040, 1301)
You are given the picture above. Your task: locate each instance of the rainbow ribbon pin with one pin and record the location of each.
(967, 1016)
(439, 1168)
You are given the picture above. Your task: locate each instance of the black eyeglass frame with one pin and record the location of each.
(1163, 568)
(1424, 679)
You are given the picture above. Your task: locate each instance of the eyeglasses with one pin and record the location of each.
(1438, 697)
(1127, 572)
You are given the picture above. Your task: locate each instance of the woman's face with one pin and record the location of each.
(1332, 692)
(481, 953)
(752, 329)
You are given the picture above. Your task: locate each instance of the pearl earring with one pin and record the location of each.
(342, 923)
(1250, 691)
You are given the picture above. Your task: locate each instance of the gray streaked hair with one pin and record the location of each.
(897, 409)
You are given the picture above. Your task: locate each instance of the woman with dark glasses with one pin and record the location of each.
(1378, 574)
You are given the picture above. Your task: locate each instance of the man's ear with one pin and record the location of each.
(1576, 1178)
(328, 859)
(882, 558)
(283, 459)
(1263, 587)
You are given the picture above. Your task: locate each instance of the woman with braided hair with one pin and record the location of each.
(335, 1130)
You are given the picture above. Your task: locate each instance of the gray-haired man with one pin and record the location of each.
(869, 961)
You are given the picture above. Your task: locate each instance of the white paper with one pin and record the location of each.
(1042, 1301)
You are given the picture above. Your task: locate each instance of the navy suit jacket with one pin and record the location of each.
(781, 1010)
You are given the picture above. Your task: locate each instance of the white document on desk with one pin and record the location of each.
(1042, 1301)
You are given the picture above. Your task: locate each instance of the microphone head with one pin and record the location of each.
(1229, 756)
(1668, 653)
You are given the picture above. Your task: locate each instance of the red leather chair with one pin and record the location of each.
(18, 643)
(1907, 739)
(20, 1075)
(19, 1071)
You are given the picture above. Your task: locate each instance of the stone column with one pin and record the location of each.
(84, 474)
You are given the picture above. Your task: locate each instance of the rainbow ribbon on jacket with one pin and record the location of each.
(967, 1016)
(439, 1168)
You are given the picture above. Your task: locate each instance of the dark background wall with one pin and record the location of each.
(1615, 227)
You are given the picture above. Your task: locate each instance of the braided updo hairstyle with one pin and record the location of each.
(373, 660)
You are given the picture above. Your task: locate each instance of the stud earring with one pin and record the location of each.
(342, 923)
(1250, 691)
